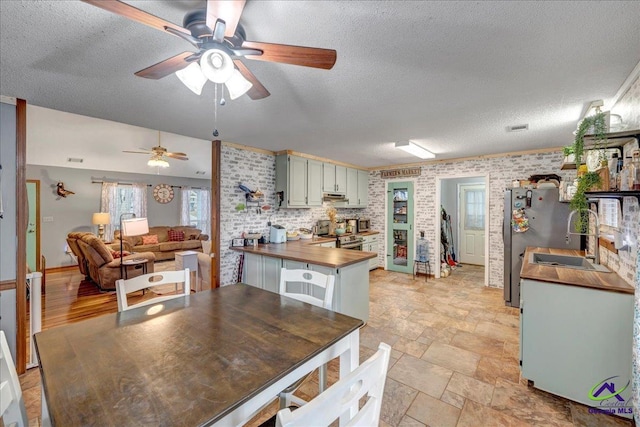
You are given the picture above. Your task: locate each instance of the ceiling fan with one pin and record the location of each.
(159, 156)
(220, 42)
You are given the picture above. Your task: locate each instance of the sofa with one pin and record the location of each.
(168, 241)
(102, 266)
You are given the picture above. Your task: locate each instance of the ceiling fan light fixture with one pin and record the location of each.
(237, 85)
(415, 149)
(217, 65)
(158, 162)
(192, 77)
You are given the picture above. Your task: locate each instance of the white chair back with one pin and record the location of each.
(124, 287)
(313, 278)
(12, 409)
(368, 378)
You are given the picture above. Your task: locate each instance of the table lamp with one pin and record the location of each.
(131, 227)
(101, 219)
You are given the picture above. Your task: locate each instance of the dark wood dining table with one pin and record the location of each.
(211, 358)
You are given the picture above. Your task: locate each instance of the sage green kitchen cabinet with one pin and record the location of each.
(262, 272)
(574, 338)
(334, 178)
(370, 244)
(363, 188)
(352, 188)
(400, 225)
(300, 181)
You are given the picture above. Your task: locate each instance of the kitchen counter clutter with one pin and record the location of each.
(262, 265)
(576, 330)
(569, 276)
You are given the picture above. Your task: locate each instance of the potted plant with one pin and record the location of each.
(596, 124)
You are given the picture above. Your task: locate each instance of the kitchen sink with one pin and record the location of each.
(566, 261)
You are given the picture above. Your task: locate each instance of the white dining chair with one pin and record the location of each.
(12, 409)
(318, 282)
(367, 379)
(124, 287)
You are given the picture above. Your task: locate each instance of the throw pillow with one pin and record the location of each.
(193, 236)
(151, 239)
(118, 254)
(176, 236)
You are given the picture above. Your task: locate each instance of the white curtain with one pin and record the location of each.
(118, 199)
(184, 207)
(195, 208)
(109, 203)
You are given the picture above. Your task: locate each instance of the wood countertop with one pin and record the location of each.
(569, 276)
(309, 251)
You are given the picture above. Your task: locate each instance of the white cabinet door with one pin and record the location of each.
(363, 188)
(352, 188)
(328, 178)
(314, 183)
(341, 179)
(271, 274)
(297, 181)
(252, 270)
(373, 263)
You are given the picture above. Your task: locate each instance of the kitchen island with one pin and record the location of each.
(576, 333)
(262, 264)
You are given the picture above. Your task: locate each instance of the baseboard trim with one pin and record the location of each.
(62, 269)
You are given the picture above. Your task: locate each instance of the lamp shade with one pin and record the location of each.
(413, 148)
(158, 162)
(237, 85)
(135, 226)
(216, 65)
(192, 77)
(101, 218)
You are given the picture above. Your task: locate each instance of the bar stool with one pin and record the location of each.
(427, 268)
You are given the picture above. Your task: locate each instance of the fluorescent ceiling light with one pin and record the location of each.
(158, 162)
(192, 77)
(237, 85)
(413, 148)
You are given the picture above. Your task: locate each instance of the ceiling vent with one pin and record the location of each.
(75, 160)
(518, 128)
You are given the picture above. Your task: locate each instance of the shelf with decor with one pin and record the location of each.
(620, 195)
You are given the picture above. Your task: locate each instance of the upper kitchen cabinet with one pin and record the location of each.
(299, 180)
(357, 188)
(334, 178)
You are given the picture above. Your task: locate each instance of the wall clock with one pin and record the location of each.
(163, 193)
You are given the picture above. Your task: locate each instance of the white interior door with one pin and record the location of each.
(471, 224)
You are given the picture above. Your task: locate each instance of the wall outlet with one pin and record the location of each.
(47, 219)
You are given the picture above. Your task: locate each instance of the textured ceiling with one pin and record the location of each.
(452, 75)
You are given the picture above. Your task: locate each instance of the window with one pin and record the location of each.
(474, 210)
(196, 208)
(609, 213)
(118, 199)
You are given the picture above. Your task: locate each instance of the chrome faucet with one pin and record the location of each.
(596, 255)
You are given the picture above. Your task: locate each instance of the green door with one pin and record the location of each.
(400, 227)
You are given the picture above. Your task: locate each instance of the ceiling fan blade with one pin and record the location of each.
(137, 152)
(257, 91)
(297, 55)
(227, 10)
(173, 156)
(135, 14)
(176, 154)
(166, 67)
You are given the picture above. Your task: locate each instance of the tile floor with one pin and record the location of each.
(454, 360)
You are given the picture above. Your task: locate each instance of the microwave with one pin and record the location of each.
(364, 224)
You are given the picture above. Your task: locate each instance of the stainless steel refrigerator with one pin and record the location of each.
(540, 220)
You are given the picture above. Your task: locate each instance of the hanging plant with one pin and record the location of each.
(597, 124)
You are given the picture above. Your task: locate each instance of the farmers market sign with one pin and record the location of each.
(400, 173)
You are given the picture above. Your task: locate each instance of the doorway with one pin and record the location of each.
(400, 206)
(33, 225)
(466, 200)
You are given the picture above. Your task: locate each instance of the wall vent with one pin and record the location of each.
(517, 128)
(75, 160)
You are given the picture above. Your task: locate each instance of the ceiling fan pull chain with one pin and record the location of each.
(215, 112)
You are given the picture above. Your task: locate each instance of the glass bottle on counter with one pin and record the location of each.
(613, 172)
(634, 171)
(623, 177)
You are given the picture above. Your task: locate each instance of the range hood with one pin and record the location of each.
(334, 197)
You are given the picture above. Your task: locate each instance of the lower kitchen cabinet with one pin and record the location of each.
(576, 342)
(351, 289)
(370, 244)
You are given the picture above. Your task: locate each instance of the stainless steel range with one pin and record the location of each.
(350, 242)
